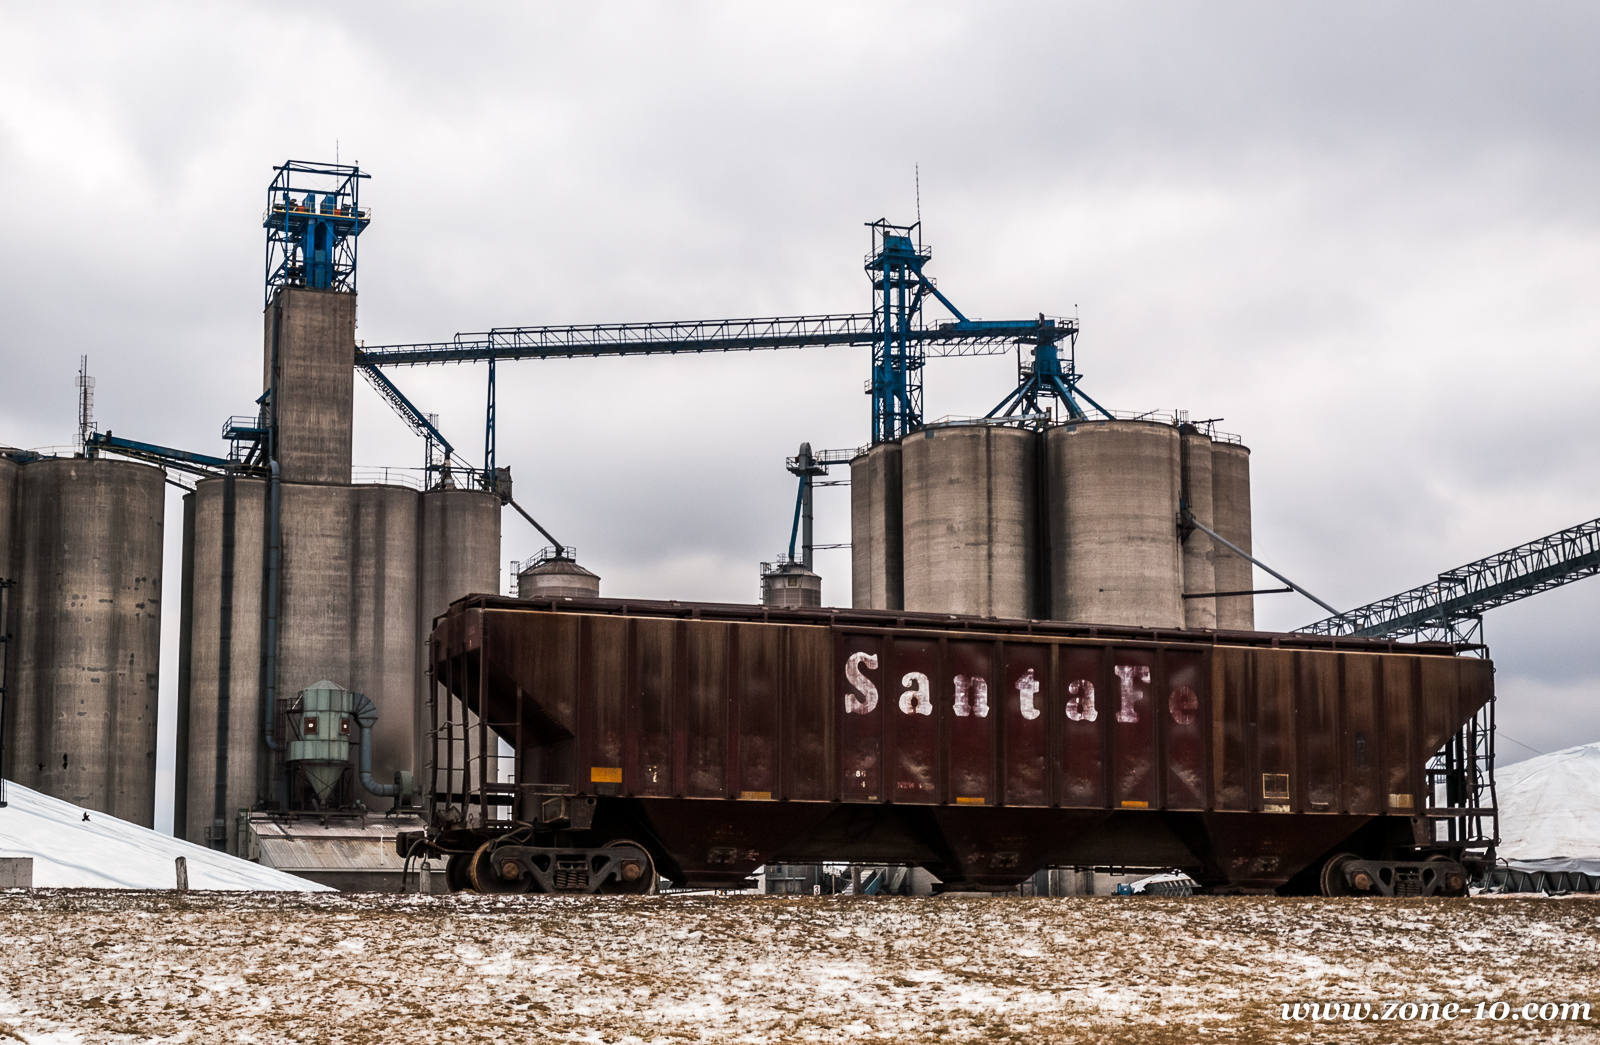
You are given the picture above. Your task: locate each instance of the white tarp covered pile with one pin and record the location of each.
(103, 852)
(1550, 811)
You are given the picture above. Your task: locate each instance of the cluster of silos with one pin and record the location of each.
(1074, 522)
(362, 570)
(81, 542)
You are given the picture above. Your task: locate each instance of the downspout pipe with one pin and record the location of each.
(1185, 516)
(367, 717)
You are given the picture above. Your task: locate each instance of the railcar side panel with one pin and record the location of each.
(1026, 684)
(980, 753)
(969, 717)
(758, 681)
(806, 756)
(1133, 730)
(1317, 730)
(1081, 697)
(1185, 719)
(1233, 722)
(1399, 731)
(1362, 734)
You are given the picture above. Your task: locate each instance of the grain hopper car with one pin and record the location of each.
(699, 741)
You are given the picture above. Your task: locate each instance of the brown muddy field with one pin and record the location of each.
(81, 966)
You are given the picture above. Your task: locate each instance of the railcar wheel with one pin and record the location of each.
(492, 876)
(644, 879)
(1454, 882)
(456, 873)
(1333, 880)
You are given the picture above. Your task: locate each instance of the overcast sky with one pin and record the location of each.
(1365, 234)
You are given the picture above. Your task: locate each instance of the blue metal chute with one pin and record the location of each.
(166, 456)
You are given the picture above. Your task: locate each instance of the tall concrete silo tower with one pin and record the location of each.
(300, 575)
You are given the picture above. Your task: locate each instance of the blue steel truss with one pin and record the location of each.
(1452, 607)
(313, 218)
(706, 335)
(896, 329)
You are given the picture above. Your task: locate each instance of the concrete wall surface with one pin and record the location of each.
(1230, 486)
(876, 580)
(82, 707)
(314, 334)
(969, 520)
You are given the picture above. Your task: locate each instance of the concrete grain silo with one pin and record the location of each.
(970, 520)
(1114, 556)
(224, 648)
(1230, 492)
(875, 529)
(385, 590)
(1195, 489)
(460, 555)
(86, 543)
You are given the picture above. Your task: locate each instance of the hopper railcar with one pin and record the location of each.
(700, 741)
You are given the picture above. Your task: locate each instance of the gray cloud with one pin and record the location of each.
(1364, 234)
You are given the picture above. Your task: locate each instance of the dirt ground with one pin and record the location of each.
(229, 967)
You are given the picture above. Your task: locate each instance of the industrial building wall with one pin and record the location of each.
(87, 544)
(312, 335)
(246, 770)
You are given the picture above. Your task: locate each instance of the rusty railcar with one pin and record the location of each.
(701, 741)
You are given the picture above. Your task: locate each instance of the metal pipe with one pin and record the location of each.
(560, 548)
(366, 718)
(1189, 518)
(269, 698)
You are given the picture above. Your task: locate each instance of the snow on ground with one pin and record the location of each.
(103, 852)
(140, 967)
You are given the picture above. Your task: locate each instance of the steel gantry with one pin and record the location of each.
(896, 329)
(1451, 608)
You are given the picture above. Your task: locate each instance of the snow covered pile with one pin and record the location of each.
(352, 969)
(1550, 811)
(102, 852)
